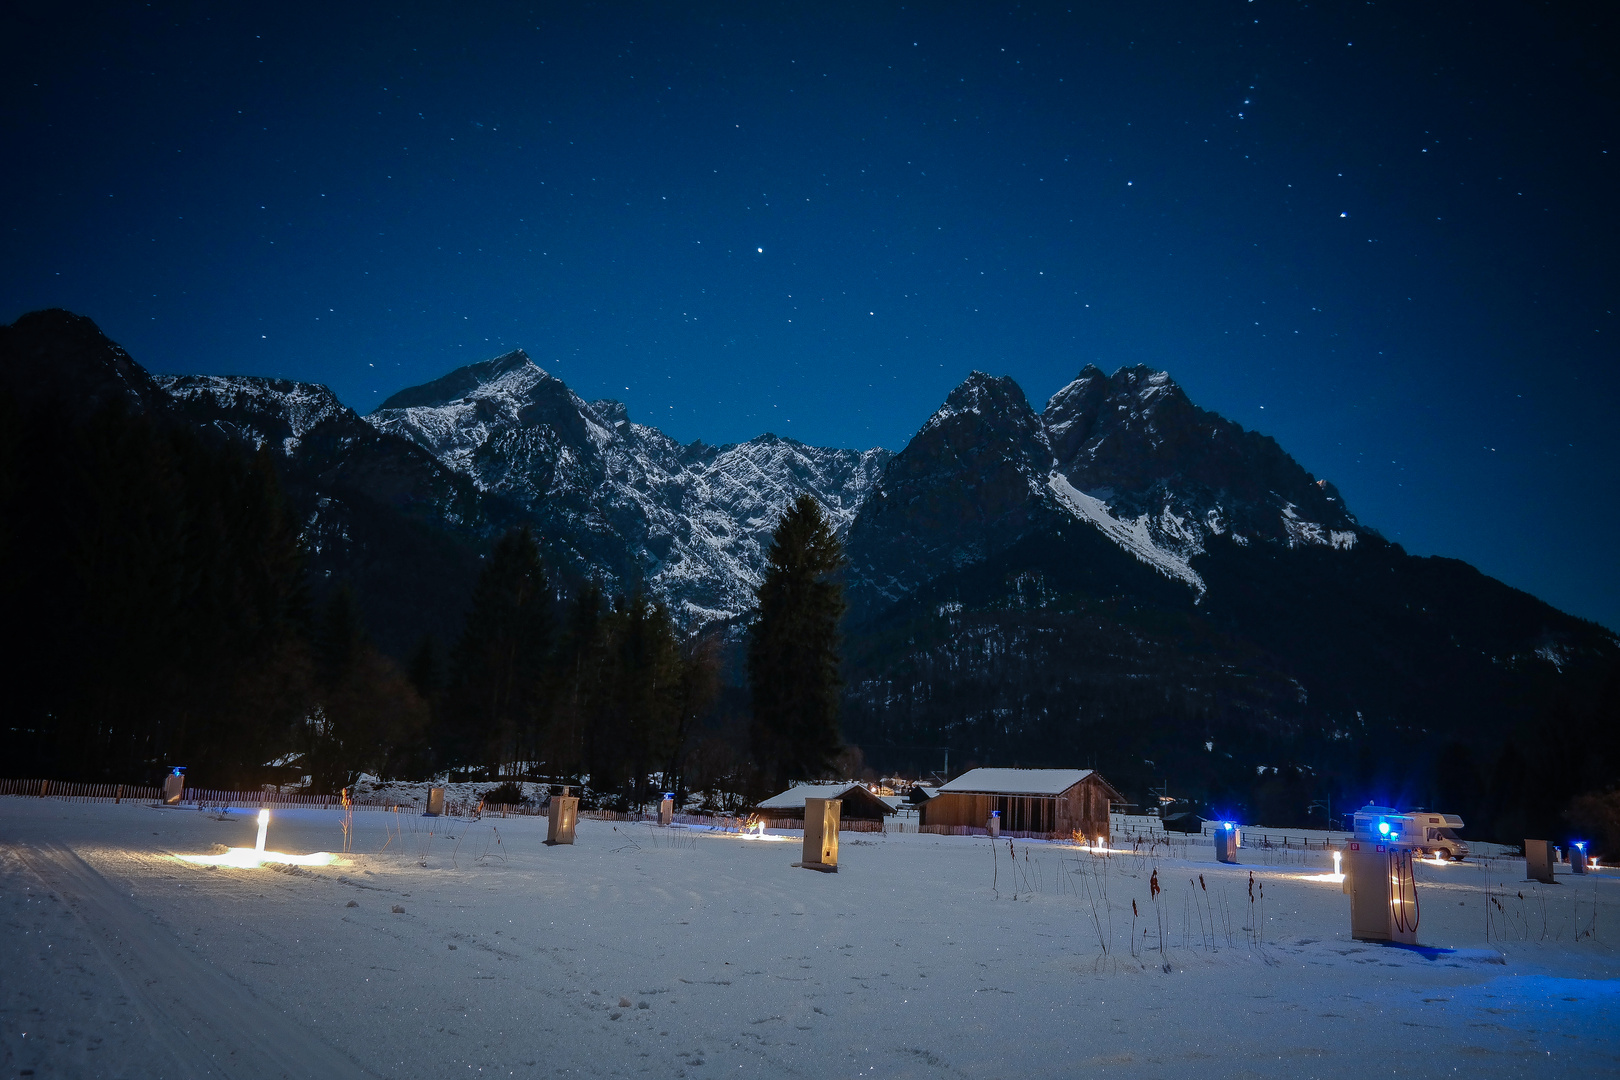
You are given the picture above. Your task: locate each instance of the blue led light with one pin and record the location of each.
(1383, 828)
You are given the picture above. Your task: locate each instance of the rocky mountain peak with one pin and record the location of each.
(57, 356)
(511, 372)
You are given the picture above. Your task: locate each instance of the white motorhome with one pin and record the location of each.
(1424, 831)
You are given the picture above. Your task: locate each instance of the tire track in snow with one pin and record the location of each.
(212, 1025)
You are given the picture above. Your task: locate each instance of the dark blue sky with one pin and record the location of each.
(1385, 237)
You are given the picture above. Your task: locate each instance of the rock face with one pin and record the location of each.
(618, 500)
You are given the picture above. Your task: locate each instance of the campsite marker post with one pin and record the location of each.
(564, 814)
(821, 817)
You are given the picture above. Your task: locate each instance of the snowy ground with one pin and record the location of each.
(678, 953)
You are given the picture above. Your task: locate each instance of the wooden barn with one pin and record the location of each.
(859, 803)
(1054, 803)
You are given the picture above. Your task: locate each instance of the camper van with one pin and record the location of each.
(1425, 832)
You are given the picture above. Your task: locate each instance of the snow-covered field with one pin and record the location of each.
(679, 953)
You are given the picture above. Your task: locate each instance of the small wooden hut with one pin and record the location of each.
(1056, 803)
(859, 803)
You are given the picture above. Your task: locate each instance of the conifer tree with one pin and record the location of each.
(793, 652)
(632, 720)
(496, 698)
(577, 673)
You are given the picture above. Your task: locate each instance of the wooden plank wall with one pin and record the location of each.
(1082, 808)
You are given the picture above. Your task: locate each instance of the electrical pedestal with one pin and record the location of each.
(993, 824)
(1383, 892)
(666, 810)
(821, 817)
(564, 813)
(174, 785)
(1226, 843)
(1538, 861)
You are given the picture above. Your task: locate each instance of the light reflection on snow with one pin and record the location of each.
(249, 858)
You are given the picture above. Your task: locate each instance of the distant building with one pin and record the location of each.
(859, 803)
(1054, 803)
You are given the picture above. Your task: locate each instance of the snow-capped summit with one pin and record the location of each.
(1134, 443)
(622, 501)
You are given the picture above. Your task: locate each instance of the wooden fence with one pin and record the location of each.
(58, 789)
(114, 793)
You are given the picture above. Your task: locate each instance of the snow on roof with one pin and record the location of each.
(793, 798)
(1017, 781)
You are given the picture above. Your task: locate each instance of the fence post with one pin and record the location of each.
(118, 795)
(44, 788)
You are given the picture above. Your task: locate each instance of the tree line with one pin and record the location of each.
(167, 618)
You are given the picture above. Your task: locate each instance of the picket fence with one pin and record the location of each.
(201, 797)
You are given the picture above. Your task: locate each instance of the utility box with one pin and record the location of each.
(821, 817)
(1577, 857)
(1383, 892)
(435, 805)
(1538, 861)
(174, 786)
(1226, 843)
(563, 816)
(666, 810)
(993, 824)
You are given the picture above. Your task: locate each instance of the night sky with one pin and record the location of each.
(1386, 237)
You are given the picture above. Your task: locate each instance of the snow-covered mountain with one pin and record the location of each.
(622, 500)
(1127, 455)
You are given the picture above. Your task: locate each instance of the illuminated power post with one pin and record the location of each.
(821, 818)
(563, 815)
(993, 825)
(435, 805)
(174, 785)
(1226, 842)
(666, 809)
(1577, 856)
(1380, 882)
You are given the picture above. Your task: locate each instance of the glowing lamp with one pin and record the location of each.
(1383, 828)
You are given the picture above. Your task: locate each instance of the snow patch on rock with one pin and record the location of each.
(1134, 536)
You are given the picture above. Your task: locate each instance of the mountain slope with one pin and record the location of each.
(618, 500)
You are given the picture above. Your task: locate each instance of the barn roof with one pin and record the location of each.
(1017, 781)
(793, 798)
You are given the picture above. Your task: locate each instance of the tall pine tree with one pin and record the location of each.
(793, 653)
(496, 702)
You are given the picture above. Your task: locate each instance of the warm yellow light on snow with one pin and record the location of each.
(248, 858)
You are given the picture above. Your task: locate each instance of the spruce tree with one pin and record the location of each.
(496, 699)
(793, 652)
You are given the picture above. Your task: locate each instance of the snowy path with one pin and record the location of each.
(667, 953)
(209, 1023)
